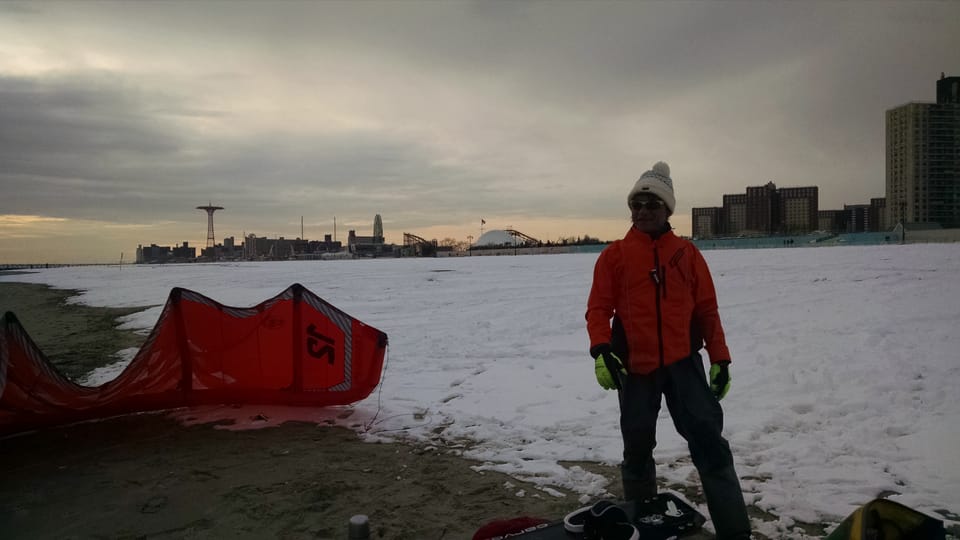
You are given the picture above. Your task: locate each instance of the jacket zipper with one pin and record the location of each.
(663, 279)
(655, 275)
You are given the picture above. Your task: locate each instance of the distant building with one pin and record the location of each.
(327, 246)
(229, 250)
(734, 213)
(878, 215)
(799, 208)
(262, 248)
(378, 227)
(154, 254)
(834, 221)
(496, 238)
(858, 218)
(762, 209)
(185, 252)
(923, 159)
(369, 246)
(708, 222)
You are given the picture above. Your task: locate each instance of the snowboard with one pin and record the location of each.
(661, 517)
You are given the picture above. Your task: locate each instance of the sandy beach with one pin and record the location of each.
(76, 338)
(150, 476)
(147, 476)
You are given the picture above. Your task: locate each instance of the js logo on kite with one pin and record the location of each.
(319, 345)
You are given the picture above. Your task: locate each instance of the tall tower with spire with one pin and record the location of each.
(211, 239)
(377, 229)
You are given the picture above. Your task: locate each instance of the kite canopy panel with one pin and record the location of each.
(293, 349)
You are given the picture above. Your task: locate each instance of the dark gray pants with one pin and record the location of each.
(698, 417)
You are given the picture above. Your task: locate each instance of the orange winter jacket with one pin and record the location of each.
(662, 292)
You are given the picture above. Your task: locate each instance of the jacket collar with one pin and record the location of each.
(665, 232)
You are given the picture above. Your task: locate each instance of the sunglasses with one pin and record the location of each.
(649, 204)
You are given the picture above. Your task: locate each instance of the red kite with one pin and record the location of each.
(293, 349)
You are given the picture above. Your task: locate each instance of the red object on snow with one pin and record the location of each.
(293, 349)
(505, 528)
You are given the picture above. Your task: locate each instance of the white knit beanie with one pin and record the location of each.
(656, 181)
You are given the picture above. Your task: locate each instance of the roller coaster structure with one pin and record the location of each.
(523, 239)
(420, 246)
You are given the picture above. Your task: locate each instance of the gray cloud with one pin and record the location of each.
(69, 146)
(89, 147)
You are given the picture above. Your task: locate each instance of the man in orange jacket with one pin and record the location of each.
(657, 289)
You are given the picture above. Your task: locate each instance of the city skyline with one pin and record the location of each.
(375, 224)
(118, 119)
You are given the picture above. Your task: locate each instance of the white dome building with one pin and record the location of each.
(496, 237)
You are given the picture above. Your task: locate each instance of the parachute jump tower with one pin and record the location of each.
(211, 239)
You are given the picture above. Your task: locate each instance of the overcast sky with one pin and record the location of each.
(118, 119)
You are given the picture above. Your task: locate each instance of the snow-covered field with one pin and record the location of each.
(846, 363)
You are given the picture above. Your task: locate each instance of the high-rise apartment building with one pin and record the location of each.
(923, 159)
(763, 209)
(878, 214)
(832, 221)
(858, 218)
(798, 209)
(734, 213)
(708, 222)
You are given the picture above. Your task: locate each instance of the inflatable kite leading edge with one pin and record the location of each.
(293, 349)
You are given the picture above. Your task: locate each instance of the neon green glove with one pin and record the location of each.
(604, 361)
(720, 379)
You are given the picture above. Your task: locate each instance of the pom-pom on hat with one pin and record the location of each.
(657, 182)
